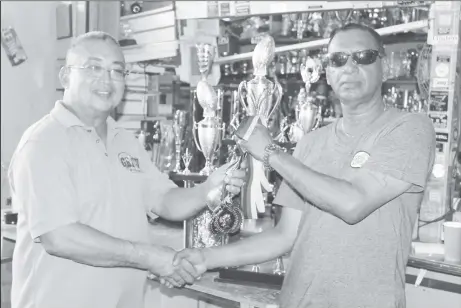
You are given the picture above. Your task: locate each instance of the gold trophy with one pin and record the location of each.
(259, 97)
(308, 114)
(210, 129)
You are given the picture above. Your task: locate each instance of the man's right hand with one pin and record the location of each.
(195, 257)
(178, 274)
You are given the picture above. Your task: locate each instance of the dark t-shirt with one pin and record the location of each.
(334, 264)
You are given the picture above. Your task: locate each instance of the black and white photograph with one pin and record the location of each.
(230, 154)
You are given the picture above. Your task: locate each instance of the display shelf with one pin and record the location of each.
(193, 177)
(239, 9)
(411, 26)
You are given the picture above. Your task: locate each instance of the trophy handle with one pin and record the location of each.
(243, 86)
(223, 130)
(279, 98)
(319, 118)
(195, 136)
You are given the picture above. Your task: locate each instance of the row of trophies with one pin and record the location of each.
(402, 64)
(320, 24)
(406, 100)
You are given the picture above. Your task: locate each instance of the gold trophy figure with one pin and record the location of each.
(308, 114)
(259, 97)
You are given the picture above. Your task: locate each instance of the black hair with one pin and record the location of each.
(354, 26)
(89, 36)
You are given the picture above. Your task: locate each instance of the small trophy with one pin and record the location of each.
(179, 124)
(209, 130)
(259, 97)
(186, 158)
(308, 114)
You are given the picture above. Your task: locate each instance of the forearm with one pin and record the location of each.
(252, 250)
(86, 245)
(335, 196)
(182, 203)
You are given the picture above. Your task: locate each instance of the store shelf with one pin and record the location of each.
(411, 26)
(402, 81)
(223, 9)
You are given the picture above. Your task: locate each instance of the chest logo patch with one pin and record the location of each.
(360, 158)
(129, 162)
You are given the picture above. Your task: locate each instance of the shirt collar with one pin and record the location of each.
(69, 119)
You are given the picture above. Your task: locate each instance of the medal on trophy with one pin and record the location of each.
(259, 97)
(227, 217)
(207, 133)
(308, 114)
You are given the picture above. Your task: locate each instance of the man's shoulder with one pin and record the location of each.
(412, 123)
(45, 131)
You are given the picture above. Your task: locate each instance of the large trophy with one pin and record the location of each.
(210, 129)
(259, 97)
(308, 114)
(207, 136)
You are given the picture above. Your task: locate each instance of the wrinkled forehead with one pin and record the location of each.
(353, 40)
(96, 51)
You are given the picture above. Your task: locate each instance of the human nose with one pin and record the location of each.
(350, 66)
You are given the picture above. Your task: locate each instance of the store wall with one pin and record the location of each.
(28, 91)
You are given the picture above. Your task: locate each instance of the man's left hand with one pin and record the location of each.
(256, 144)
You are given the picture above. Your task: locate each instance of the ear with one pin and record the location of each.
(386, 68)
(64, 77)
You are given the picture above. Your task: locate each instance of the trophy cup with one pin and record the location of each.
(259, 97)
(209, 129)
(308, 114)
(178, 129)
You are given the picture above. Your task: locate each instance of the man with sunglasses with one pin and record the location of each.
(350, 194)
(83, 186)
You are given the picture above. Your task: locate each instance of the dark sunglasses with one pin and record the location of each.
(362, 57)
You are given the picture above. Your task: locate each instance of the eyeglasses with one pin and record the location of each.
(362, 57)
(98, 71)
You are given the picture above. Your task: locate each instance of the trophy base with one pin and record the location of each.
(207, 170)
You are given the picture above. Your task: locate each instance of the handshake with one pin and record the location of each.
(178, 268)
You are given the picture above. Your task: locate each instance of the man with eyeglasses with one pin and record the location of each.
(350, 194)
(83, 186)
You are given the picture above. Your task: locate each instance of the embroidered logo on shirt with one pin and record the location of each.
(129, 162)
(360, 158)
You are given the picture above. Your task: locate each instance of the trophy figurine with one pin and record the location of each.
(186, 158)
(259, 97)
(308, 114)
(178, 129)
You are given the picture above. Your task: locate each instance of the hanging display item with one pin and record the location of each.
(13, 47)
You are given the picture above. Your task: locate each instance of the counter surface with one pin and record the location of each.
(168, 235)
(250, 296)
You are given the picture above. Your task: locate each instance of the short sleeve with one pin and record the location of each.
(287, 195)
(42, 187)
(406, 152)
(156, 183)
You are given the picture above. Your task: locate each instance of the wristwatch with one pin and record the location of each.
(268, 151)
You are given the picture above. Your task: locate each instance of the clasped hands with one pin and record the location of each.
(186, 267)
